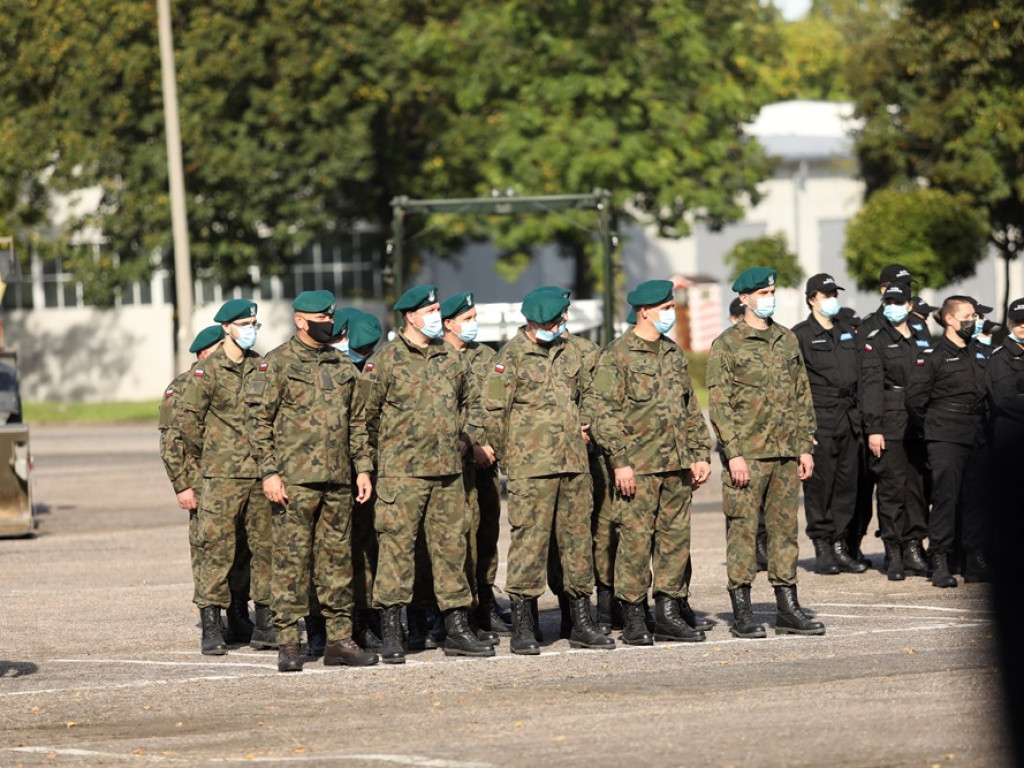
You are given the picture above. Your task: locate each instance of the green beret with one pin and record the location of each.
(650, 293)
(754, 278)
(631, 316)
(543, 307)
(456, 305)
(314, 302)
(207, 337)
(341, 318)
(363, 329)
(414, 298)
(552, 290)
(235, 309)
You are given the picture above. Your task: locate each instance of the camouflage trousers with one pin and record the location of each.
(437, 505)
(599, 487)
(602, 523)
(652, 529)
(774, 483)
(535, 506)
(313, 560)
(238, 576)
(364, 554)
(486, 507)
(232, 512)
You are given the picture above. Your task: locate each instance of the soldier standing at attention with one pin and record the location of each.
(414, 393)
(531, 415)
(647, 418)
(762, 411)
(830, 494)
(232, 508)
(300, 407)
(483, 491)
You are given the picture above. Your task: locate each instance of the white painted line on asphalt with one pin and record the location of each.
(72, 752)
(147, 662)
(414, 760)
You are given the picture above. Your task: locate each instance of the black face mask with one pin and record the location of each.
(322, 333)
(966, 330)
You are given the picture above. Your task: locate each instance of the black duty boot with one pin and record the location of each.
(349, 653)
(289, 659)
(977, 569)
(523, 641)
(489, 614)
(584, 634)
(686, 614)
(240, 626)
(565, 618)
(846, 563)
(537, 634)
(263, 633)
(762, 550)
(419, 627)
(213, 634)
(743, 624)
(436, 632)
(363, 630)
(391, 651)
(484, 635)
(669, 623)
(914, 562)
(824, 557)
(603, 614)
(894, 561)
(635, 630)
(941, 576)
(316, 636)
(459, 639)
(790, 618)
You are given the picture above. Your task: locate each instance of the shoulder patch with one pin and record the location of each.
(263, 367)
(198, 372)
(499, 368)
(169, 392)
(369, 367)
(845, 336)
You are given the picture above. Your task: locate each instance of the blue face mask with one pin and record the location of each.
(354, 356)
(895, 313)
(246, 336)
(1014, 338)
(563, 326)
(341, 346)
(979, 326)
(830, 306)
(432, 327)
(765, 307)
(470, 328)
(545, 336)
(986, 340)
(666, 319)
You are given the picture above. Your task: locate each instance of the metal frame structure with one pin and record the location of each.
(599, 200)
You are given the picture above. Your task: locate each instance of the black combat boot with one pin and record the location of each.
(583, 633)
(846, 563)
(565, 617)
(316, 636)
(289, 659)
(349, 653)
(743, 624)
(213, 633)
(941, 576)
(523, 641)
(263, 634)
(790, 618)
(391, 651)
(761, 547)
(240, 626)
(824, 557)
(669, 623)
(537, 634)
(436, 632)
(977, 569)
(603, 614)
(484, 635)
(460, 640)
(366, 629)
(634, 631)
(489, 615)
(894, 561)
(686, 614)
(914, 562)
(419, 629)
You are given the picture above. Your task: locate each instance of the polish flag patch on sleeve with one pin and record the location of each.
(369, 367)
(169, 392)
(920, 361)
(499, 368)
(867, 347)
(198, 372)
(263, 366)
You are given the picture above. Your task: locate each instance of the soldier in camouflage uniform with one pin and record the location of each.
(483, 491)
(647, 418)
(414, 392)
(300, 406)
(762, 412)
(232, 509)
(532, 419)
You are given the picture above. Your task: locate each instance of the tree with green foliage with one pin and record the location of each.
(941, 92)
(769, 251)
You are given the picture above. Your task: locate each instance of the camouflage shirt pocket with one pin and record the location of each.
(300, 390)
(641, 381)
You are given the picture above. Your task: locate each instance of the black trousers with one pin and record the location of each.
(949, 464)
(830, 493)
(898, 473)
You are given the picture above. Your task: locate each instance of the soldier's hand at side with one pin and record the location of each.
(273, 489)
(187, 499)
(700, 473)
(876, 444)
(364, 487)
(483, 455)
(806, 468)
(625, 481)
(739, 472)
(585, 429)
(462, 448)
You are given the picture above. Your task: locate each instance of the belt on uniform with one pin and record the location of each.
(964, 408)
(835, 391)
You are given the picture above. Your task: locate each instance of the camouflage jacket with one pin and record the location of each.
(412, 404)
(589, 354)
(300, 403)
(529, 408)
(182, 468)
(646, 415)
(760, 398)
(213, 415)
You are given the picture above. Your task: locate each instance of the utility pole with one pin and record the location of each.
(176, 177)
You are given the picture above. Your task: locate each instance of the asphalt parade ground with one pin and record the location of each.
(100, 662)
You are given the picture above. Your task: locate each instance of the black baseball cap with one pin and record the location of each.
(1016, 311)
(921, 306)
(899, 291)
(823, 283)
(895, 273)
(980, 308)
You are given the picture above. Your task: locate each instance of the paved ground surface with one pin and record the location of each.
(99, 662)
